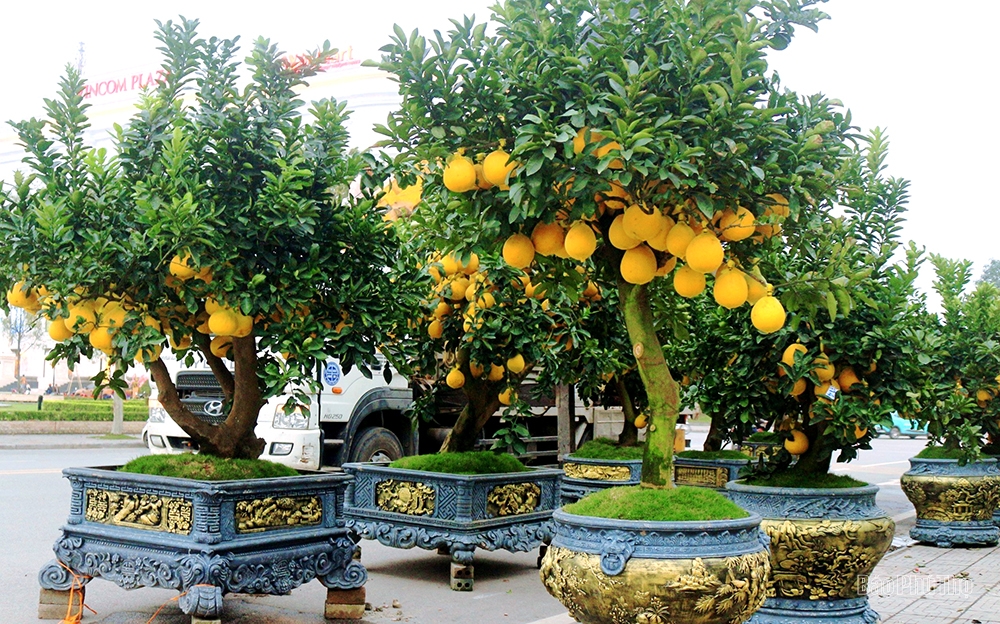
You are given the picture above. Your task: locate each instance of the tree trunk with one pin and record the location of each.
(630, 433)
(118, 415)
(816, 460)
(483, 401)
(662, 391)
(716, 436)
(235, 437)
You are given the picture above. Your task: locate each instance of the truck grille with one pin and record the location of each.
(198, 389)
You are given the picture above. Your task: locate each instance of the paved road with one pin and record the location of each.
(34, 502)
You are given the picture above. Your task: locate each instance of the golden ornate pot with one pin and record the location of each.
(824, 545)
(954, 504)
(582, 475)
(629, 572)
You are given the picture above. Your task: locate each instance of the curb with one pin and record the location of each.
(64, 427)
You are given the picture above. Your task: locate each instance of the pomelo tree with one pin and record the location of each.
(222, 223)
(823, 383)
(650, 135)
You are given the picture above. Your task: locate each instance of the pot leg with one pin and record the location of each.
(202, 602)
(61, 588)
(462, 570)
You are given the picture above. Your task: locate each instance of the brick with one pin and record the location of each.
(343, 612)
(59, 597)
(346, 596)
(197, 620)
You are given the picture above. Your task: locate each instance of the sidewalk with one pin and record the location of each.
(69, 441)
(926, 585)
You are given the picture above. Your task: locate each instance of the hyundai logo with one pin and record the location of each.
(213, 408)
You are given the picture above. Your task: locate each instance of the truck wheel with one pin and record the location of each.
(376, 444)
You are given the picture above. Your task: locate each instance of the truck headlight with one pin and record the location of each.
(293, 420)
(156, 412)
(281, 448)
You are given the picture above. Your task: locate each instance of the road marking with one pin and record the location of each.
(859, 466)
(885, 483)
(31, 471)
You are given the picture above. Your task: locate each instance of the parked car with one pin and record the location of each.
(900, 427)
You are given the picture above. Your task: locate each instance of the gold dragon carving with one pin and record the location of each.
(723, 591)
(597, 473)
(822, 560)
(139, 511)
(405, 497)
(952, 499)
(273, 512)
(513, 499)
(701, 477)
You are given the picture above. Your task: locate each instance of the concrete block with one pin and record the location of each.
(53, 604)
(344, 604)
(462, 577)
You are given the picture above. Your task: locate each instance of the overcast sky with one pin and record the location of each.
(925, 71)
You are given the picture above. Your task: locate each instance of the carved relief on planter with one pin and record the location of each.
(261, 514)
(596, 472)
(513, 499)
(954, 504)
(701, 477)
(406, 497)
(139, 511)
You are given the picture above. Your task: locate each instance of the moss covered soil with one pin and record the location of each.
(603, 448)
(206, 467)
(473, 462)
(794, 479)
(939, 452)
(727, 454)
(680, 504)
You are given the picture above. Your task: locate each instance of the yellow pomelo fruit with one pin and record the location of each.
(212, 306)
(580, 241)
(223, 322)
(442, 310)
(460, 174)
(755, 290)
(688, 282)
(458, 288)
(779, 205)
(100, 338)
(659, 242)
(591, 290)
(112, 315)
(679, 238)
(768, 315)
(798, 444)
(449, 264)
(641, 421)
(180, 267)
(472, 266)
(244, 325)
(497, 167)
(455, 379)
(667, 267)
(481, 181)
(847, 378)
(20, 296)
(496, 372)
(58, 330)
(860, 432)
(149, 354)
(476, 369)
(82, 317)
(615, 198)
(617, 236)
(821, 391)
(205, 274)
(221, 346)
(704, 253)
(185, 342)
(983, 395)
(471, 291)
(506, 397)
(638, 265)
(518, 251)
(642, 225)
(730, 290)
(487, 301)
(435, 329)
(738, 225)
(788, 355)
(798, 388)
(824, 368)
(516, 364)
(605, 149)
(548, 238)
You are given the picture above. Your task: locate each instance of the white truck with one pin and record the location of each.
(353, 418)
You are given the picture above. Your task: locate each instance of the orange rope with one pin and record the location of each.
(177, 597)
(76, 585)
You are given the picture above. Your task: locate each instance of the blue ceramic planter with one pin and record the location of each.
(454, 514)
(583, 476)
(711, 473)
(955, 504)
(824, 545)
(609, 571)
(204, 538)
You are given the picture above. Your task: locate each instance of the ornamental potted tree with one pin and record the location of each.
(953, 485)
(632, 127)
(821, 384)
(219, 226)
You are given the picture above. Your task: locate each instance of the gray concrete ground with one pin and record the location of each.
(913, 584)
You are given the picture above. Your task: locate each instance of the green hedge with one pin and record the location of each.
(80, 410)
